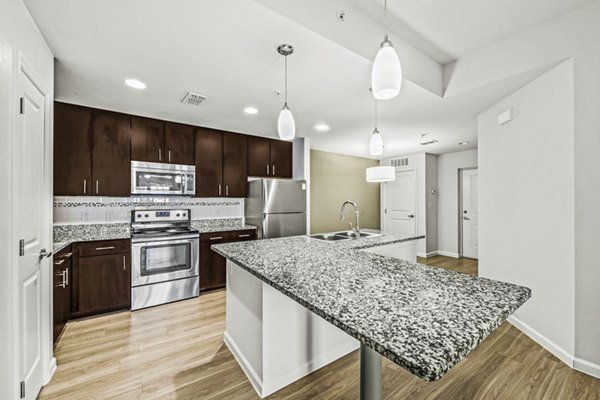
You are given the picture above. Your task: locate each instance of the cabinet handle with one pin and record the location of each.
(216, 238)
(244, 235)
(159, 154)
(84, 186)
(227, 190)
(96, 186)
(267, 169)
(124, 264)
(59, 262)
(169, 155)
(67, 277)
(105, 248)
(273, 169)
(67, 255)
(219, 190)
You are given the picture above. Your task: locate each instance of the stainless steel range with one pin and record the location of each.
(164, 257)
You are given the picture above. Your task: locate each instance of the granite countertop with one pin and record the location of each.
(65, 234)
(423, 318)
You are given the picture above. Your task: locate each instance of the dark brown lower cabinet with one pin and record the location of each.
(61, 291)
(104, 277)
(213, 272)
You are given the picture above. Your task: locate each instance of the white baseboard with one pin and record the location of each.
(448, 254)
(427, 255)
(253, 377)
(51, 370)
(587, 367)
(540, 339)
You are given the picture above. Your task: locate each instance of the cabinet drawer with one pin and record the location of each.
(214, 238)
(103, 247)
(240, 236)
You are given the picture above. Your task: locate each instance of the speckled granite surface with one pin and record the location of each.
(423, 318)
(65, 234)
(220, 225)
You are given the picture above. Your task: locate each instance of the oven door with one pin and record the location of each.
(161, 260)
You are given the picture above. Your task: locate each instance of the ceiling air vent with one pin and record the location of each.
(428, 142)
(194, 99)
(400, 162)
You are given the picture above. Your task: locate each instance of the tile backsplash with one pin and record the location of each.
(117, 209)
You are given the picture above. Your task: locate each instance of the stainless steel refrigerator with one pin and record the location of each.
(277, 207)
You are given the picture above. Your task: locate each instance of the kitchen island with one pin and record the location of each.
(296, 304)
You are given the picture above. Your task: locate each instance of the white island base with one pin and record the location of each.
(275, 340)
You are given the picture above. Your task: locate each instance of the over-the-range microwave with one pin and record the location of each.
(148, 178)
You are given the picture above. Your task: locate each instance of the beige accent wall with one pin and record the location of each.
(335, 178)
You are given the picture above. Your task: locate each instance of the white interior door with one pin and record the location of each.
(30, 191)
(469, 214)
(400, 204)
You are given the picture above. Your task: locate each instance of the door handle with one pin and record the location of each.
(411, 216)
(84, 186)
(44, 254)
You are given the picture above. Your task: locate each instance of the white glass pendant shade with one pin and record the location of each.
(286, 127)
(376, 144)
(381, 174)
(386, 75)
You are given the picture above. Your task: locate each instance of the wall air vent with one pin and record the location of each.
(194, 99)
(428, 142)
(400, 162)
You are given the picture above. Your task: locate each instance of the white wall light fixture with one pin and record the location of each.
(386, 75)
(286, 127)
(381, 174)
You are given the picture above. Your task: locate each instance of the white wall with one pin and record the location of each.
(527, 203)
(448, 194)
(574, 34)
(17, 33)
(431, 203)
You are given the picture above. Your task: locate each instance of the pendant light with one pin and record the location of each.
(376, 142)
(286, 127)
(381, 174)
(386, 75)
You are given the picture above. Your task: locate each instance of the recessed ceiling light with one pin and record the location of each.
(463, 143)
(134, 83)
(251, 110)
(322, 127)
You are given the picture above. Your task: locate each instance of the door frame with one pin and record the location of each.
(22, 66)
(459, 213)
(383, 198)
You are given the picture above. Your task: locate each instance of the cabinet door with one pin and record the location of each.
(212, 266)
(235, 164)
(147, 139)
(111, 148)
(58, 300)
(179, 143)
(209, 163)
(72, 150)
(259, 163)
(281, 159)
(104, 283)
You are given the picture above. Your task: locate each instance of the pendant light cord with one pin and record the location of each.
(375, 115)
(285, 81)
(385, 26)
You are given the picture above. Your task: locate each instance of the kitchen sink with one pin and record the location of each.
(344, 235)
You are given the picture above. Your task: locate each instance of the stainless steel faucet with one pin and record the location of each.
(355, 229)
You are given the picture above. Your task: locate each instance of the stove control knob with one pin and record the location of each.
(139, 215)
(177, 215)
(146, 215)
(184, 214)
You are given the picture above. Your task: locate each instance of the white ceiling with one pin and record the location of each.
(226, 50)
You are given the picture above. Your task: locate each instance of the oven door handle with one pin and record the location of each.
(162, 240)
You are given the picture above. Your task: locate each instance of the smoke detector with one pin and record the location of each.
(194, 99)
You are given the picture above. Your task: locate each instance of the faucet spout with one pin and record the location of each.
(355, 229)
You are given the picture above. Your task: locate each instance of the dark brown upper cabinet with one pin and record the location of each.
(209, 163)
(111, 149)
(221, 164)
(147, 139)
(159, 141)
(269, 158)
(72, 150)
(179, 143)
(235, 164)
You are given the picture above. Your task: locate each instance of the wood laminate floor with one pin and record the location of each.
(176, 351)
